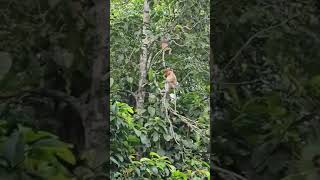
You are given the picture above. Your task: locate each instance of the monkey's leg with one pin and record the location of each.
(163, 62)
(165, 93)
(175, 101)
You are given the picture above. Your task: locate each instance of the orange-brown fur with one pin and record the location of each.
(164, 44)
(171, 79)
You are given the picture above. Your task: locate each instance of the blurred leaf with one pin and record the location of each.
(130, 80)
(111, 82)
(151, 111)
(53, 3)
(13, 149)
(5, 65)
(66, 155)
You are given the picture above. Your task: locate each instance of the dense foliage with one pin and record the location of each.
(26, 154)
(46, 58)
(143, 144)
(266, 89)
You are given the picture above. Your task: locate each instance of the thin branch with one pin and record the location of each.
(133, 50)
(237, 83)
(168, 119)
(59, 95)
(229, 172)
(254, 36)
(150, 63)
(190, 123)
(178, 44)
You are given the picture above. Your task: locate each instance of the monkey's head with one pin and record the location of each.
(167, 72)
(164, 43)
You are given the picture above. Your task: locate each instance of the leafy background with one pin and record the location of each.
(265, 85)
(264, 100)
(142, 144)
(47, 50)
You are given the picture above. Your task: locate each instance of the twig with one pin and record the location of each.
(129, 59)
(150, 63)
(229, 172)
(178, 44)
(190, 123)
(237, 83)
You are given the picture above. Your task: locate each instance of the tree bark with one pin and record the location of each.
(144, 56)
(96, 123)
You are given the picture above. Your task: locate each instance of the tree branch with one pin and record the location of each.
(237, 176)
(254, 36)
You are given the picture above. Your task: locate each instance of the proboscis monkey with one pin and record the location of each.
(171, 79)
(170, 83)
(165, 47)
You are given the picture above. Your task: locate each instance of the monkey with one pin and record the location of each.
(164, 43)
(170, 83)
(165, 47)
(171, 79)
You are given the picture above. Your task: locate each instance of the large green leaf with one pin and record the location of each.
(13, 149)
(29, 135)
(66, 155)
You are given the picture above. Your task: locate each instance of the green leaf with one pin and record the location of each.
(5, 64)
(138, 171)
(111, 82)
(120, 57)
(155, 136)
(115, 161)
(152, 98)
(45, 170)
(154, 154)
(144, 139)
(167, 137)
(150, 75)
(13, 149)
(144, 159)
(130, 80)
(154, 170)
(66, 155)
(29, 135)
(140, 111)
(49, 143)
(133, 139)
(151, 111)
(171, 167)
(138, 133)
(3, 162)
(161, 165)
(119, 156)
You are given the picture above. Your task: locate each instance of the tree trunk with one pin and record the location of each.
(144, 56)
(95, 123)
